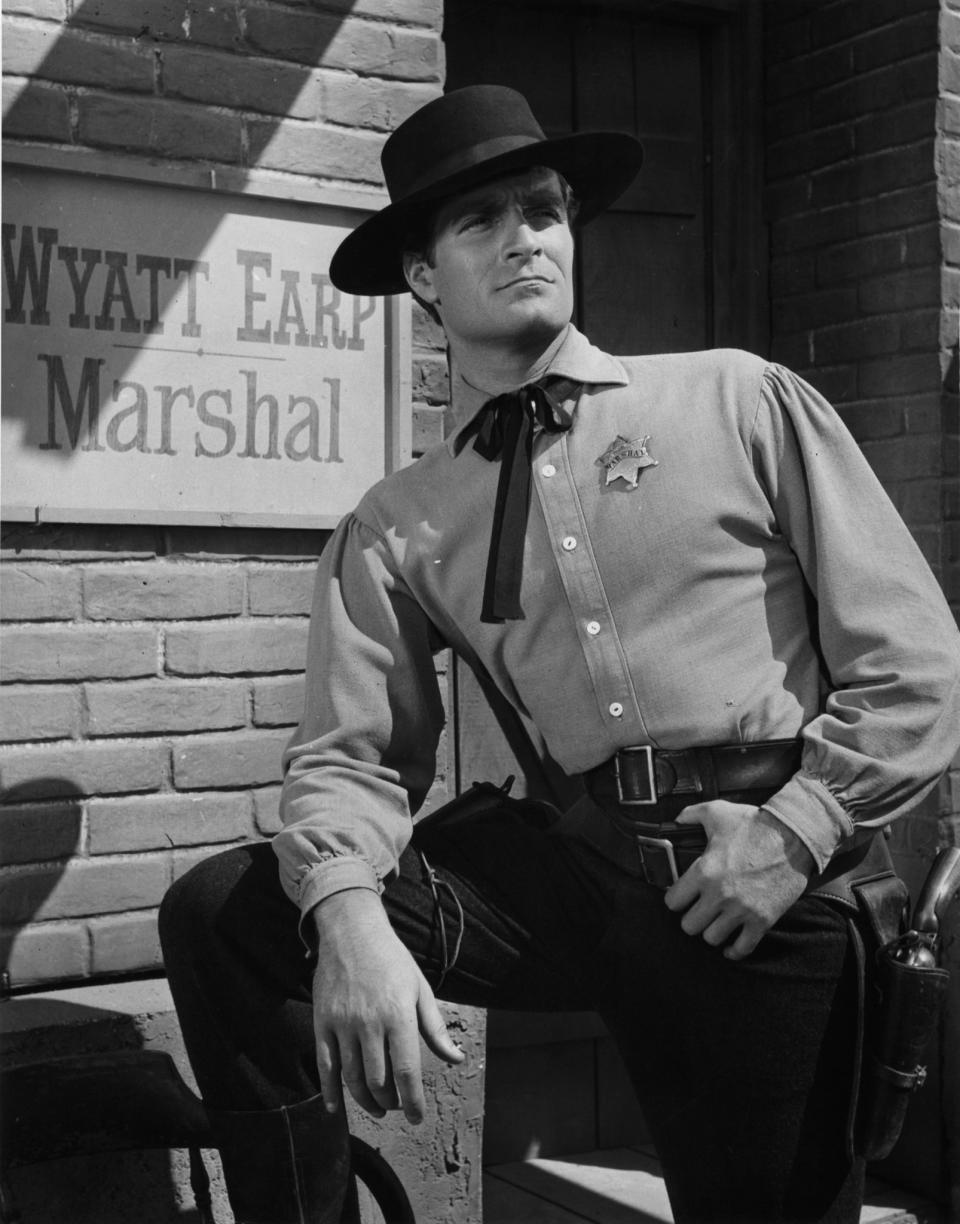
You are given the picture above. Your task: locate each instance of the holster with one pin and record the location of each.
(902, 1006)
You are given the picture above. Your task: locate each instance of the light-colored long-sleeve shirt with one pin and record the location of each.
(756, 584)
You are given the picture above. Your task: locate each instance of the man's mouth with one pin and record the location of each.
(528, 280)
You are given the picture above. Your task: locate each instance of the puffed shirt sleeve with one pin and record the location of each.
(890, 722)
(363, 758)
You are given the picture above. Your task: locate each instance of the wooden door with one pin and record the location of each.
(676, 264)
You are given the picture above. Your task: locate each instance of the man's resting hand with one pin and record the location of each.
(753, 869)
(369, 1001)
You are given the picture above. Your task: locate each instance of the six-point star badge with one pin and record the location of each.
(625, 459)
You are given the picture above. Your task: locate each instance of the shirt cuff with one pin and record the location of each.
(814, 814)
(335, 874)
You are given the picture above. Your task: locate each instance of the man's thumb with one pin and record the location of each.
(433, 1030)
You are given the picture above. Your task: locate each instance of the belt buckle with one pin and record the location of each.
(661, 843)
(651, 799)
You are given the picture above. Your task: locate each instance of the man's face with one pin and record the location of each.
(501, 265)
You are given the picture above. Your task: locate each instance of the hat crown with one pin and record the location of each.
(453, 133)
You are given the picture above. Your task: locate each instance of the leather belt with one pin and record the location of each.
(641, 777)
(642, 789)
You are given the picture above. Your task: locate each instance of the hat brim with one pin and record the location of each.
(599, 166)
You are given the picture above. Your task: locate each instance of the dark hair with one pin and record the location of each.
(421, 235)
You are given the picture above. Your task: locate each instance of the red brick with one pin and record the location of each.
(880, 90)
(165, 129)
(126, 943)
(32, 833)
(785, 39)
(838, 384)
(787, 118)
(193, 21)
(430, 381)
(51, 10)
(911, 35)
(817, 70)
(161, 590)
(56, 542)
(888, 170)
(831, 22)
(906, 290)
(266, 810)
(56, 53)
(950, 235)
(236, 649)
(427, 427)
(426, 333)
(793, 273)
(902, 125)
(904, 458)
(921, 501)
(408, 12)
(861, 338)
(245, 543)
(77, 652)
(809, 151)
(873, 419)
(948, 163)
(278, 703)
(950, 30)
(281, 590)
(165, 705)
(878, 253)
(908, 207)
(81, 888)
(84, 769)
(241, 82)
(817, 309)
(32, 110)
(52, 951)
(39, 713)
(325, 40)
(814, 229)
(902, 375)
(950, 71)
(250, 758)
(370, 103)
(157, 822)
(315, 149)
(39, 592)
(183, 860)
(920, 330)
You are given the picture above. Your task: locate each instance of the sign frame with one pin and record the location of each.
(261, 185)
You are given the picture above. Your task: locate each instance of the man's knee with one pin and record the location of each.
(194, 902)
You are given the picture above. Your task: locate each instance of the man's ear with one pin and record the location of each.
(419, 276)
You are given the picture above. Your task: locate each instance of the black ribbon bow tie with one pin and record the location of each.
(505, 428)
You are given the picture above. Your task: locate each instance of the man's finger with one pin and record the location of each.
(328, 1070)
(355, 1078)
(433, 1028)
(682, 894)
(404, 1051)
(745, 942)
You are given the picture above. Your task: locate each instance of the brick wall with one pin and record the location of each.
(863, 199)
(861, 125)
(151, 676)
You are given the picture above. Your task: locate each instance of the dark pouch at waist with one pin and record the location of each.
(482, 799)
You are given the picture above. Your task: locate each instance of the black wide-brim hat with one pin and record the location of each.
(456, 142)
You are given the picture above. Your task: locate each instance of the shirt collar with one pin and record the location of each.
(577, 361)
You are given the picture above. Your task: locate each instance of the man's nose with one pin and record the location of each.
(521, 239)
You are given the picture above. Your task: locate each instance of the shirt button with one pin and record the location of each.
(548, 470)
(593, 628)
(616, 709)
(569, 543)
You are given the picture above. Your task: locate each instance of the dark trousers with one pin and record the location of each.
(745, 1070)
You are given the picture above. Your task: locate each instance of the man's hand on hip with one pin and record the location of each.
(753, 869)
(370, 1000)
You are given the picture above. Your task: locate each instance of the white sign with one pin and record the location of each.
(175, 355)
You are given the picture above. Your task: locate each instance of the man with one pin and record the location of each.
(699, 601)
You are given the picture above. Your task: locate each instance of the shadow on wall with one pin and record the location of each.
(140, 110)
(40, 830)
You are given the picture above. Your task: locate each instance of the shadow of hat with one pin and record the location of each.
(453, 143)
